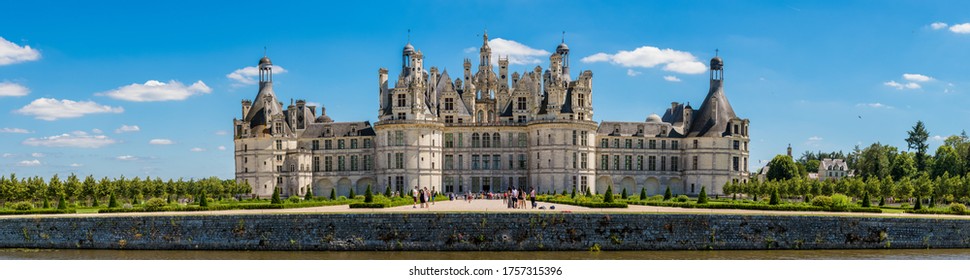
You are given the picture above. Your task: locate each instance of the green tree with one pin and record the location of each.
(643, 194)
(112, 201)
(608, 195)
(624, 194)
(352, 194)
(88, 189)
(368, 196)
(904, 165)
(387, 192)
(333, 194)
(203, 199)
(667, 194)
(276, 196)
(866, 201)
(916, 140)
(886, 189)
(702, 197)
(573, 194)
(923, 186)
(61, 202)
(72, 188)
(946, 160)
(309, 194)
(782, 167)
(774, 200)
(874, 161)
(54, 187)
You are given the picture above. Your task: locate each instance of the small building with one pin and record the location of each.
(833, 169)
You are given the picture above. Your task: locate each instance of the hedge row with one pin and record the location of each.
(37, 211)
(935, 212)
(241, 206)
(746, 206)
(590, 204)
(369, 205)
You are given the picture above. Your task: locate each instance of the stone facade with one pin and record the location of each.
(487, 132)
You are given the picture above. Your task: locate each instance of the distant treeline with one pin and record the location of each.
(89, 190)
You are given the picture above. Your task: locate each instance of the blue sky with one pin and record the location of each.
(76, 78)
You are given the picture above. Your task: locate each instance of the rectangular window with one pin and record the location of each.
(640, 163)
(279, 144)
(328, 164)
(575, 140)
(573, 183)
(398, 138)
(653, 144)
(616, 143)
(328, 144)
(605, 143)
(449, 140)
(673, 144)
(353, 163)
(694, 163)
(584, 139)
(367, 143)
(449, 162)
(485, 162)
(340, 163)
(340, 144)
(402, 100)
(449, 184)
(663, 144)
(474, 162)
(522, 140)
(353, 143)
(449, 103)
(521, 119)
(674, 162)
(511, 162)
(628, 162)
(736, 163)
(605, 162)
(639, 143)
(399, 183)
(663, 163)
(521, 104)
(695, 144)
(316, 164)
(449, 119)
(368, 162)
(316, 145)
(582, 100)
(584, 183)
(737, 145)
(399, 160)
(652, 163)
(522, 161)
(461, 141)
(616, 162)
(628, 143)
(402, 116)
(583, 161)
(575, 160)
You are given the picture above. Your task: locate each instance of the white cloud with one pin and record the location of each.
(97, 131)
(76, 165)
(912, 86)
(14, 130)
(50, 109)
(937, 138)
(517, 53)
(649, 57)
(8, 155)
(29, 163)
(963, 28)
(874, 105)
(126, 158)
(11, 53)
(37, 155)
(917, 78)
(221, 132)
(896, 85)
(248, 75)
(671, 79)
(938, 25)
(153, 90)
(161, 142)
(197, 149)
(893, 84)
(77, 139)
(222, 148)
(814, 138)
(127, 128)
(13, 89)
(631, 73)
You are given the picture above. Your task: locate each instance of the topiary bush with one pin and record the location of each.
(333, 194)
(822, 201)
(840, 202)
(643, 194)
(958, 208)
(608, 195)
(682, 198)
(112, 201)
(309, 194)
(61, 203)
(919, 204)
(667, 194)
(293, 199)
(866, 200)
(203, 200)
(368, 196)
(702, 198)
(352, 194)
(573, 195)
(155, 204)
(774, 200)
(276, 197)
(624, 195)
(22, 206)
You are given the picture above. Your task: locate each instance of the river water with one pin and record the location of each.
(896, 254)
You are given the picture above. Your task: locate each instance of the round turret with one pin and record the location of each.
(654, 118)
(562, 48)
(408, 49)
(265, 60)
(716, 63)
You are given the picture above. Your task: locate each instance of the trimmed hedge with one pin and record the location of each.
(37, 211)
(369, 205)
(752, 206)
(935, 211)
(235, 206)
(590, 204)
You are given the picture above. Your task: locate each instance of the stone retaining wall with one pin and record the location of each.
(482, 231)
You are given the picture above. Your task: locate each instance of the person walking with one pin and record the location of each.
(532, 197)
(414, 195)
(433, 194)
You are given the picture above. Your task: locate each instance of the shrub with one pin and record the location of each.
(822, 201)
(276, 197)
(333, 194)
(682, 198)
(643, 194)
(573, 195)
(958, 208)
(702, 198)
(841, 202)
(352, 194)
(47, 204)
(309, 194)
(387, 192)
(667, 194)
(624, 195)
(656, 197)
(61, 203)
(293, 199)
(112, 201)
(608, 195)
(155, 204)
(919, 204)
(203, 201)
(22, 206)
(95, 203)
(774, 200)
(368, 196)
(904, 205)
(865, 200)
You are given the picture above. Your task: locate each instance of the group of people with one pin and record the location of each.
(424, 196)
(516, 198)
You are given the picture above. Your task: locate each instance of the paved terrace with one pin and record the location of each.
(496, 206)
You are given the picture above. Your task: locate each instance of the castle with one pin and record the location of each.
(486, 132)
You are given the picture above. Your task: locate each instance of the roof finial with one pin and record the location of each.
(409, 35)
(264, 51)
(563, 37)
(485, 37)
(716, 51)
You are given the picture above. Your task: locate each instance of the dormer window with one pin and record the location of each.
(616, 129)
(640, 129)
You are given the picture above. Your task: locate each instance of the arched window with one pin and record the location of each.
(486, 141)
(475, 140)
(481, 116)
(497, 140)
